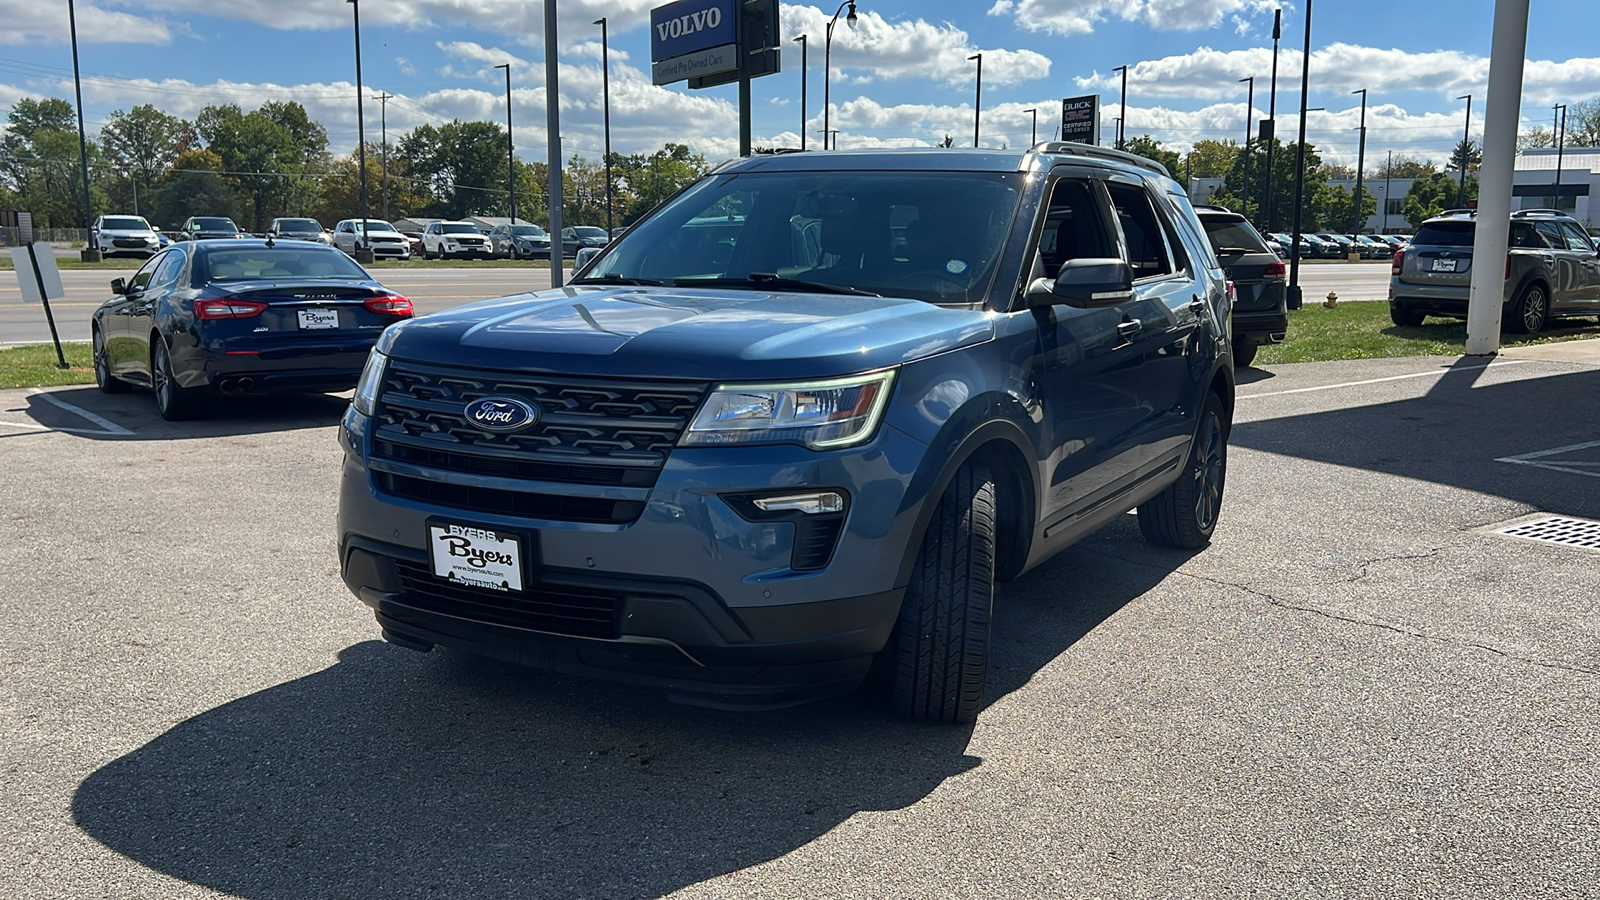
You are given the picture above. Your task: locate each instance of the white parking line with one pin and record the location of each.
(1537, 460)
(106, 425)
(1345, 384)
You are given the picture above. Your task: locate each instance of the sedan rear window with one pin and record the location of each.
(274, 262)
(1444, 234)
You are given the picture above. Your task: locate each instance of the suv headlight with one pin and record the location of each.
(821, 415)
(371, 383)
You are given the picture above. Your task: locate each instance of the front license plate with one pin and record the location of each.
(476, 557)
(312, 319)
(1444, 265)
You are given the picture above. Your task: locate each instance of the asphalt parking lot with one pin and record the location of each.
(1358, 690)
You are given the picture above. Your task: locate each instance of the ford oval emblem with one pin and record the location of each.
(501, 415)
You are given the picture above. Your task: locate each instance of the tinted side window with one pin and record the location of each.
(1523, 235)
(1073, 228)
(1576, 239)
(1552, 235)
(167, 272)
(1147, 250)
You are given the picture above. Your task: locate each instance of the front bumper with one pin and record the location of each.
(703, 603)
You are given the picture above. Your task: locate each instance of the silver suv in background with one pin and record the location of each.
(1552, 270)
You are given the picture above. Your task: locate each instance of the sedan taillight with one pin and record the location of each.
(1274, 271)
(390, 305)
(1399, 261)
(228, 309)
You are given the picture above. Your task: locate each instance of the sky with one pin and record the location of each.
(901, 77)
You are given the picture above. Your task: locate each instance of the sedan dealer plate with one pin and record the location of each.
(1444, 265)
(476, 557)
(311, 319)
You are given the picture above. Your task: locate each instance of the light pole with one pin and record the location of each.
(1122, 106)
(91, 249)
(552, 118)
(1035, 113)
(1300, 168)
(1249, 107)
(1466, 135)
(827, 67)
(383, 149)
(363, 246)
(802, 41)
(1269, 133)
(511, 147)
(1561, 140)
(977, 100)
(605, 88)
(1361, 159)
(1388, 172)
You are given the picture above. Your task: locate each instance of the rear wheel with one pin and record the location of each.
(1244, 354)
(1402, 316)
(1530, 312)
(941, 640)
(107, 382)
(174, 402)
(1185, 514)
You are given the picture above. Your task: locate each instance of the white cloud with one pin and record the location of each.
(30, 21)
(1081, 16)
(911, 49)
(489, 56)
(502, 16)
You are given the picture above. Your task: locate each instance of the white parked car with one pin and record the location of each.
(124, 234)
(443, 240)
(380, 236)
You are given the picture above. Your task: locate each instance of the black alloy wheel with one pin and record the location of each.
(1244, 354)
(174, 402)
(1185, 514)
(1531, 312)
(103, 379)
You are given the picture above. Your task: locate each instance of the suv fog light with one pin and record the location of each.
(811, 504)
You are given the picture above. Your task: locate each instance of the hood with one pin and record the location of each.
(128, 232)
(686, 333)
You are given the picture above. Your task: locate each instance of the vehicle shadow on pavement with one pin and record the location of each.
(133, 416)
(1455, 434)
(398, 774)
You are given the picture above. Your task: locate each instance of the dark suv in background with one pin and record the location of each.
(797, 422)
(1552, 270)
(1260, 306)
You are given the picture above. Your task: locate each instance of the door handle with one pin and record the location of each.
(1129, 328)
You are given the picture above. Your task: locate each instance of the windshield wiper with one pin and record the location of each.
(618, 279)
(772, 280)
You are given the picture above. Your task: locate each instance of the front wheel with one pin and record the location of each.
(1405, 317)
(1185, 514)
(174, 402)
(1531, 311)
(103, 379)
(1244, 354)
(940, 643)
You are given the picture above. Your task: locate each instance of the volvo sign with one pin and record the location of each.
(693, 37)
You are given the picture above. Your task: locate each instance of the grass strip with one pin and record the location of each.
(34, 365)
(1363, 330)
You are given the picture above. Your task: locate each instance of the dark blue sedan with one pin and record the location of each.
(236, 317)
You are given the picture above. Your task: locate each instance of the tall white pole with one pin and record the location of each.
(1502, 114)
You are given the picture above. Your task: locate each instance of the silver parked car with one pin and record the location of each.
(380, 236)
(520, 241)
(133, 235)
(1552, 270)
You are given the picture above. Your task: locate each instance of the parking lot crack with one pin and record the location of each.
(1398, 557)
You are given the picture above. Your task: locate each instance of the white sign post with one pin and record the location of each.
(40, 281)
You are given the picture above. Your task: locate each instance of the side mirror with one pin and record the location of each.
(584, 255)
(119, 286)
(1088, 283)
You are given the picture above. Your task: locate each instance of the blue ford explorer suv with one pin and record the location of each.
(793, 427)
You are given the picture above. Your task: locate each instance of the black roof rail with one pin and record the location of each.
(1076, 149)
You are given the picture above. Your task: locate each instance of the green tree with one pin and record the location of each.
(192, 186)
(649, 179)
(1333, 209)
(1211, 159)
(1282, 182)
(1467, 155)
(1536, 138)
(1404, 167)
(339, 196)
(463, 165)
(41, 164)
(1148, 147)
(1583, 123)
(144, 141)
(1434, 193)
(266, 159)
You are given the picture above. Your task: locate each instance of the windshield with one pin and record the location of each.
(372, 225)
(211, 223)
(124, 223)
(457, 229)
(1233, 234)
(275, 262)
(931, 236)
(527, 231)
(590, 231)
(299, 225)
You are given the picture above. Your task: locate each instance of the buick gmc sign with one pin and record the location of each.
(690, 26)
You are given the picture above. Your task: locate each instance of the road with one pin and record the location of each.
(434, 289)
(1356, 691)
